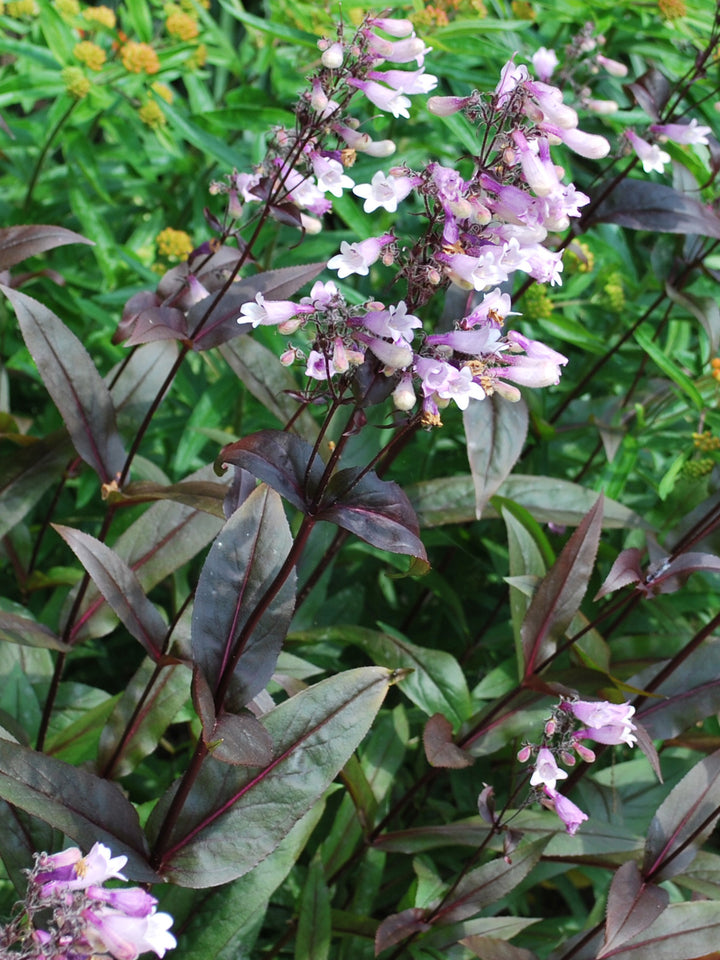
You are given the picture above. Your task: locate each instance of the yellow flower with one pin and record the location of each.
(22, 8)
(139, 57)
(182, 26)
(163, 91)
(151, 114)
(198, 57)
(102, 15)
(90, 54)
(522, 10)
(76, 83)
(174, 244)
(672, 9)
(68, 9)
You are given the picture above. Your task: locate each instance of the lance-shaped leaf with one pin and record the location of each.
(119, 584)
(314, 919)
(281, 460)
(22, 836)
(490, 883)
(239, 739)
(490, 948)
(705, 310)
(83, 806)
(440, 748)
(495, 928)
(631, 907)
(223, 926)
(74, 384)
(561, 592)
(686, 817)
(135, 383)
(669, 575)
(652, 91)
(683, 931)
(26, 475)
(20, 242)
(378, 511)
(139, 719)
(199, 494)
(625, 570)
(223, 323)
(234, 818)
(17, 629)
(495, 431)
(399, 926)
(644, 205)
(242, 565)
(164, 538)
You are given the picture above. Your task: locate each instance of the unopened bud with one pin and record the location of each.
(585, 752)
(550, 728)
(567, 758)
(446, 106)
(332, 58)
(602, 107)
(613, 67)
(524, 753)
(288, 327)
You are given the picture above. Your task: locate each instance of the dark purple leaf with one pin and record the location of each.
(73, 383)
(631, 907)
(280, 459)
(212, 271)
(486, 804)
(397, 927)
(644, 205)
(683, 931)
(625, 570)
(26, 475)
(135, 383)
(286, 213)
(157, 323)
(28, 633)
(119, 584)
(705, 310)
(242, 741)
(645, 744)
(490, 883)
(238, 739)
(686, 817)
(241, 486)
(560, 594)
(686, 697)
(19, 243)
(84, 807)
(440, 749)
(242, 565)
(378, 511)
(672, 574)
(199, 494)
(235, 817)
(224, 324)
(652, 91)
(22, 836)
(495, 431)
(490, 948)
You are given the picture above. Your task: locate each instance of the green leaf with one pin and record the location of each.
(669, 367)
(233, 818)
(312, 941)
(495, 431)
(23, 630)
(436, 684)
(26, 475)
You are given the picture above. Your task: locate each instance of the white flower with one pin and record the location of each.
(331, 176)
(650, 155)
(358, 257)
(383, 192)
(262, 312)
(546, 770)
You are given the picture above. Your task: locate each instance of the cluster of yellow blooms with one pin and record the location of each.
(180, 24)
(672, 9)
(173, 244)
(536, 304)
(579, 258)
(89, 53)
(103, 16)
(715, 364)
(21, 8)
(139, 57)
(706, 442)
(441, 13)
(76, 83)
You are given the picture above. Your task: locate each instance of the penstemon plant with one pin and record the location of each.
(215, 763)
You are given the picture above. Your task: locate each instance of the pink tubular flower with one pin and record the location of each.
(383, 97)
(73, 872)
(683, 133)
(544, 62)
(385, 192)
(546, 770)
(650, 155)
(267, 313)
(604, 722)
(395, 27)
(570, 815)
(590, 145)
(406, 81)
(613, 67)
(447, 106)
(125, 938)
(358, 257)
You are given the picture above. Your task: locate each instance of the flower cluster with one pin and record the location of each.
(600, 721)
(69, 915)
(310, 162)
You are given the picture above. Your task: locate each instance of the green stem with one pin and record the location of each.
(44, 152)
